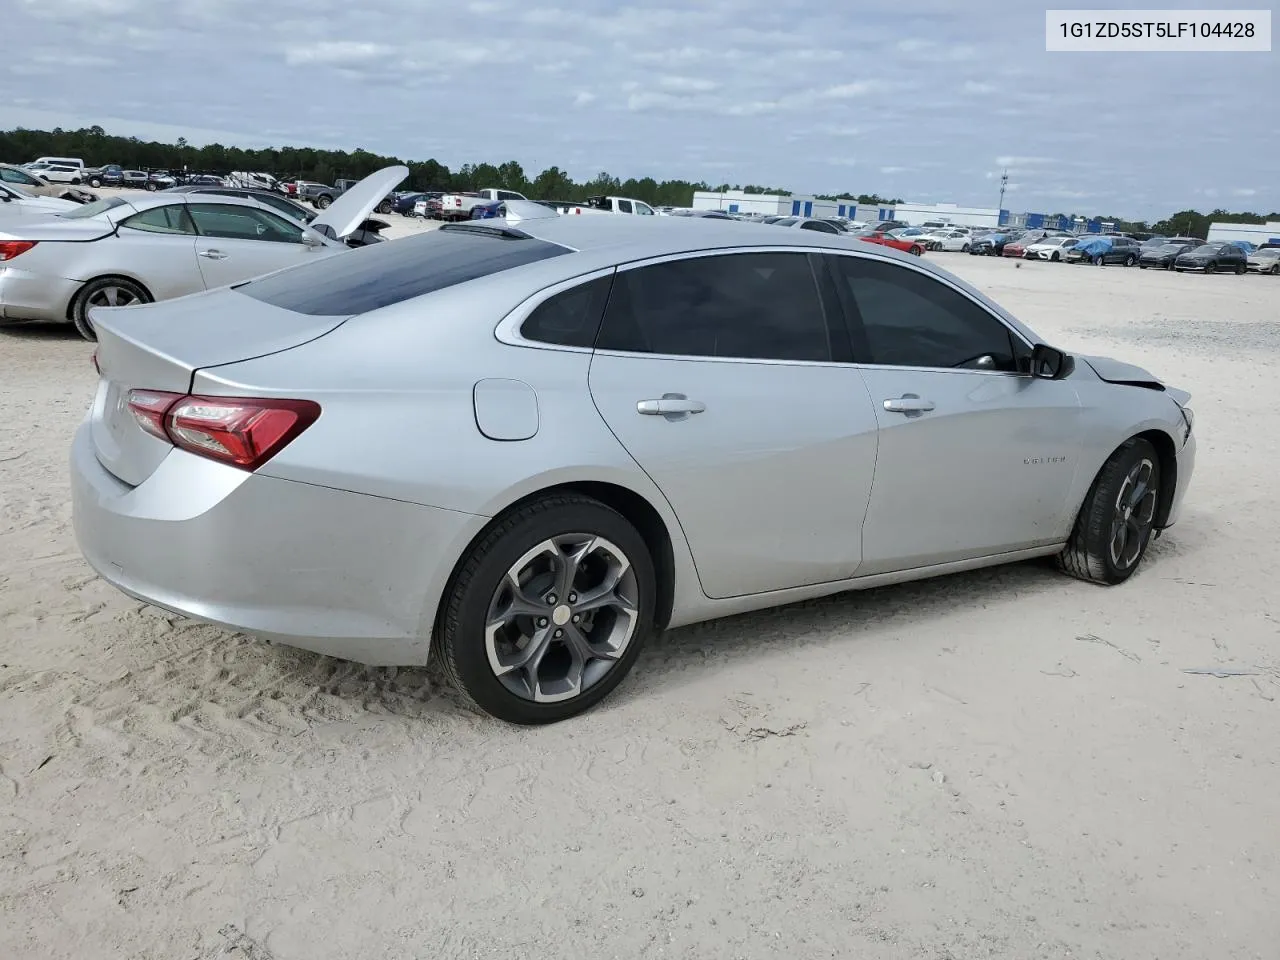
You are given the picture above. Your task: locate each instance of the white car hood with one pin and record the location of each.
(348, 211)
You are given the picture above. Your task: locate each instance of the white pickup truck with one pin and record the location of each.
(622, 205)
(457, 206)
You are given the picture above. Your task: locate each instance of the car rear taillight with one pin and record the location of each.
(242, 432)
(13, 248)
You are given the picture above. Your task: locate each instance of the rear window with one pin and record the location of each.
(381, 274)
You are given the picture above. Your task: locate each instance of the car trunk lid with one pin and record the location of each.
(159, 347)
(54, 229)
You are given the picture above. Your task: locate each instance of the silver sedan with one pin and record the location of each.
(525, 448)
(118, 251)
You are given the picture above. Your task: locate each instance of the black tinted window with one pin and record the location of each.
(570, 318)
(381, 274)
(749, 305)
(909, 319)
(819, 226)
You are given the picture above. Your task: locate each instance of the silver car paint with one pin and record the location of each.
(397, 387)
(169, 265)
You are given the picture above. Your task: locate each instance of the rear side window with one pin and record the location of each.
(358, 281)
(752, 306)
(571, 318)
(168, 219)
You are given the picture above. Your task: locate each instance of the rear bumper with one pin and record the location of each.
(33, 296)
(326, 570)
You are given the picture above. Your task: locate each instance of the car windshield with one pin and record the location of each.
(1204, 248)
(1267, 252)
(93, 209)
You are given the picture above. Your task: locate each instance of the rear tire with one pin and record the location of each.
(1241, 269)
(102, 292)
(1117, 520)
(151, 187)
(1130, 260)
(384, 208)
(1210, 267)
(479, 622)
(965, 248)
(323, 201)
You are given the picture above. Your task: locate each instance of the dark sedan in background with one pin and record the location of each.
(1213, 258)
(1163, 252)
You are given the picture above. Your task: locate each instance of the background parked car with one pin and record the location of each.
(1102, 250)
(1049, 248)
(1213, 258)
(58, 172)
(1264, 260)
(28, 180)
(18, 204)
(104, 176)
(1163, 252)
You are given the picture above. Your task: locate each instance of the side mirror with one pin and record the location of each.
(311, 239)
(1048, 363)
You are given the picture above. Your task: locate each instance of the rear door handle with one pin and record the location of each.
(673, 406)
(909, 403)
(213, 254)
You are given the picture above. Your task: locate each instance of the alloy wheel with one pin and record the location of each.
(562, 617)
(1135, 511)
(112, 296)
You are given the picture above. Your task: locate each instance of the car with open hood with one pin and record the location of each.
(118, 251)
(16, 204)
(520, 449)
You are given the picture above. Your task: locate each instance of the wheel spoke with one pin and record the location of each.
(529, 659)
(1119, 540)
(569, 563)
(520, 604)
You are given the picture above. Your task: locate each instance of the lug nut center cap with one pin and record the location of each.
(561, 614)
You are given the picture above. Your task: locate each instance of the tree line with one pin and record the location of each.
(96, 147)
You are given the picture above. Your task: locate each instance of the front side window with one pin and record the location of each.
(570, 318)
(644, 209)
(904, 318)
(232, 222)
(167, 219)
(752, 306)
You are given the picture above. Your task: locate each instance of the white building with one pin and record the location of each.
(1255, 233)
(918, 213)
(775, 205)
(799, 205)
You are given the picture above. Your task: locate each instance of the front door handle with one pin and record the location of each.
(213, 254)
(909, 403)
(673, 406)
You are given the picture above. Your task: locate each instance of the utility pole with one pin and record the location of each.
(1004, 181)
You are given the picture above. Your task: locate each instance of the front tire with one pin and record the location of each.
(323, 202)
(1210, 268)
(548, 611)
(1130, 260)
(1117, 520)
(104, 292)
(95, 182)
(965, 248)
(151, 187)
(1241, 269)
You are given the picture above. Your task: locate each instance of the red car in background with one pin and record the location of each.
(912, 246)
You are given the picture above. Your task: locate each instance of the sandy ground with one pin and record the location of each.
(1007, 764)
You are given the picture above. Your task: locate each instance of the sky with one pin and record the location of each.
(927, 100)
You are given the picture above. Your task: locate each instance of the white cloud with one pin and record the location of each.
(784, 95)
(335, 52)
